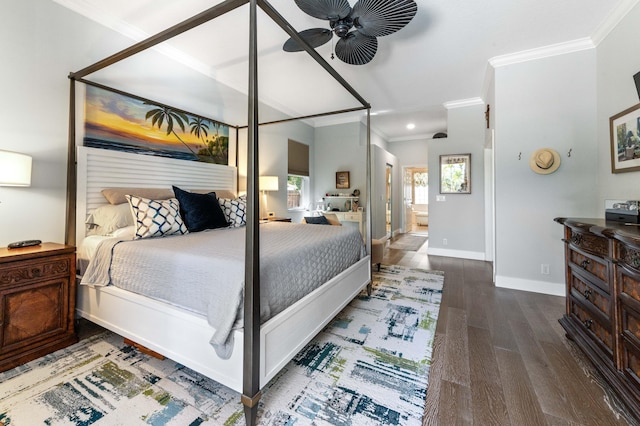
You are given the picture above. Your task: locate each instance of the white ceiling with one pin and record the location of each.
(441, 57)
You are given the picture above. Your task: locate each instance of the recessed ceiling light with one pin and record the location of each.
(411, 126)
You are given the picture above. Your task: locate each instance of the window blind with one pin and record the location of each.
(298, 158)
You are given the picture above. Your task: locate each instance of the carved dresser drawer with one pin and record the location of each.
(593, 297)
(595, 269)
(37, 302)
(593, 325)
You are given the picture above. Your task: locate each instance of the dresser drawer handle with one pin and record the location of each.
(587, 323)
(587, 293)
(585, 263)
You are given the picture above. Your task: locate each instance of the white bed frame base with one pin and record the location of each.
(182, 335)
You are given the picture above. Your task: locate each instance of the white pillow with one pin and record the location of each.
(126, 233)
(156, 218)
(106, 219)
(234, 210)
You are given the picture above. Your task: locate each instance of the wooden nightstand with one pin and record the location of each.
(37, 302)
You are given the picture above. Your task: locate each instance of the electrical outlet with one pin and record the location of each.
(444, 241)
(544, 269)
(441, 198)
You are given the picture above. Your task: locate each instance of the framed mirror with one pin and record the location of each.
(455, 174)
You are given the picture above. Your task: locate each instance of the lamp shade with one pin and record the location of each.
(15, 169)
(268, 183)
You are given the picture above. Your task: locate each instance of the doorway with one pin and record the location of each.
(388, 206)
(416, 200)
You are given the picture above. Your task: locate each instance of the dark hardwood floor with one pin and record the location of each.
(502, 358)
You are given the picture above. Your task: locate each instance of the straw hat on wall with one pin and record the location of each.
(545, 161)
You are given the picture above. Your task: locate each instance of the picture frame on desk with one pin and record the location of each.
(342, 180)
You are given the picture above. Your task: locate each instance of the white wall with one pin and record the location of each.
(41, 43)
(617, 62)
(336, 149)
(544, 103)
(460, 218)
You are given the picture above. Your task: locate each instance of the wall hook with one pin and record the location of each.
(569, 153)
(520, 155)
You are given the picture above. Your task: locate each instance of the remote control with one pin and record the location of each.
(25, 243)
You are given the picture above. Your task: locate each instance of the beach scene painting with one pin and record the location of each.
(125, 123)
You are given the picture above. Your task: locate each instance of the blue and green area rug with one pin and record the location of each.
(369, 366)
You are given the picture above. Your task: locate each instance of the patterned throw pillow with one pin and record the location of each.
(156, 218)
(235, 210)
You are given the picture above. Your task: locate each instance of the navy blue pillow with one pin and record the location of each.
(316, 220)
(200, 211)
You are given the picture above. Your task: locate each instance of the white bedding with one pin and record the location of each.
(204, 271)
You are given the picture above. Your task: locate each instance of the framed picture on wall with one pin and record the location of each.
(455, 174)
(342, 180)
(624, 129)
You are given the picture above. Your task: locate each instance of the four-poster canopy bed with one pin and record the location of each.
(258, 350)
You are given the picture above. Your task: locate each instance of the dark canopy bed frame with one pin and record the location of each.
(251, 390)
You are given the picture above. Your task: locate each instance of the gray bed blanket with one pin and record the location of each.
(204, 271)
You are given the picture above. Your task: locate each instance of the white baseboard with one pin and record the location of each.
(461, 254)
(545, 287)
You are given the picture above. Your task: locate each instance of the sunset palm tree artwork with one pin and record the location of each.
(127, 123)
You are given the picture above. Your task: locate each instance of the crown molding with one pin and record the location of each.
(542, 52)
(612, 20)
(463, 103)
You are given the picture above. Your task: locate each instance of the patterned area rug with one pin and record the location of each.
(408, 242)
(369, 366)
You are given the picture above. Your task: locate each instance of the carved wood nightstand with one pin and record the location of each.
(37, 302)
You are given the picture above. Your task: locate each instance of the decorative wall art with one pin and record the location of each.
(455, 174)
(126, 123)
(342, 180)
(624, 128)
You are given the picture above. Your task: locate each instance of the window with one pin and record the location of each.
(420, 186)
(298, 187)
(297, 192)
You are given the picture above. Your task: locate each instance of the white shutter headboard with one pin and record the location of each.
(102, 168)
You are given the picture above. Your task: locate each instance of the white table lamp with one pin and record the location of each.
(15, 169)
(267, 183)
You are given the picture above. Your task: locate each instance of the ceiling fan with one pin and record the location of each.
(356, 27)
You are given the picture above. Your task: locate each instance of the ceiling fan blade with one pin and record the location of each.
(315, 37)
(356, 48)
(325, 9)
(377, 18)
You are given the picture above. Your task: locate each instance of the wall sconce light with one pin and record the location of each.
(267, 183)
(15, 169)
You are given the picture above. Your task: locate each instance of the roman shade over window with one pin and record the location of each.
(298, 159)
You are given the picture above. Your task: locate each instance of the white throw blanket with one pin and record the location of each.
(204, 271)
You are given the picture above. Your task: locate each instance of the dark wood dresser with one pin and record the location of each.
(603, 300)
(37, 302)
